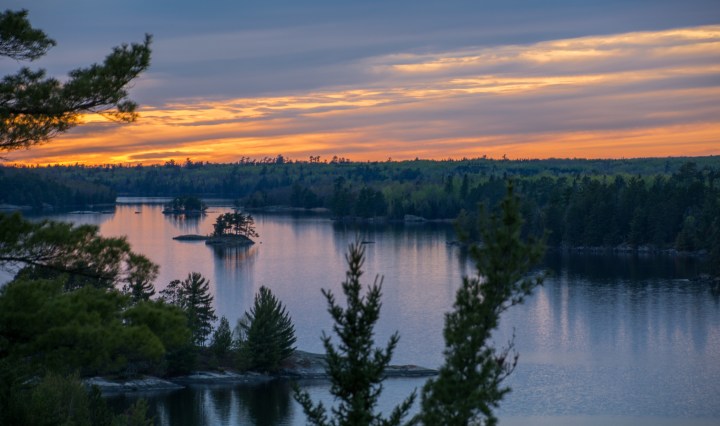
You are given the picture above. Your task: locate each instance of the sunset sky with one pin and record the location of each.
(372, 79)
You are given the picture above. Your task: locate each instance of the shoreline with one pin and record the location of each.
(299, 366)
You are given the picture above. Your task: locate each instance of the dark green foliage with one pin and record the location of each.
(140, 277)
(25, 188)
(342, 198)
(193, 296)
(676, 211)
(19, 40)
(269, 334)
(135, 415)
(59, 400)
(464, 187)
(355, 367)
(304, 197)
(469, 386)
(221, 344)
(165, 321)
(582, 202)
(186, 205)
(89, 330)
(714, 249)
(34, 108)
(50, 248)
(235, 223)
(370, 203)
(64, 400)
(466, 227)
(449, 184)
(63, 311)
(183, 360)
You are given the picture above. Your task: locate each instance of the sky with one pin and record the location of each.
(372, 80)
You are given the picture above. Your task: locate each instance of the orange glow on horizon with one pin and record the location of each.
(700, 140)
(648, 94)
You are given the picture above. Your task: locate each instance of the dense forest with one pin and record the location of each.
(660, 203)
(38, 192)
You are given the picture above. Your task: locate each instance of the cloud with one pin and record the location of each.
(651, 93)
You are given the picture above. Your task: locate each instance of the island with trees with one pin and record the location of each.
(233, 229)
(187, 206)
(229, 229)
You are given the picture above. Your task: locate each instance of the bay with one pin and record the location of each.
(607, 339)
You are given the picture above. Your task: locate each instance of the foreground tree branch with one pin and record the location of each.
(35, 108)
(47, 248)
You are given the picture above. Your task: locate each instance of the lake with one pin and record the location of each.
(607, 339)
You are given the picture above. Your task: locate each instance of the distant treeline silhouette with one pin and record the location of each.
(663, 202)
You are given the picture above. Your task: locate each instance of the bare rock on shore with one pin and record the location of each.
(306, 365)
(229, 241)
(300, 365)
(146, 383)
(215, 377)
(191, 237)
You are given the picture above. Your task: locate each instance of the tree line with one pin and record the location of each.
(311, 184)
(667, 203)
(679, 211)
(40, 193)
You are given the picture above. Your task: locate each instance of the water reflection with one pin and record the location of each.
(189, 224)
(606, 335)
(234, 269)
(263, 404)
(234, 257)
(268, 404)
(609, 268)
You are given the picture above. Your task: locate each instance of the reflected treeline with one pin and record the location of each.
(609, 267)
(235, 256)
(616, 306)
(265, 404)
(613, 267)
(234, 271)
(186, 222)
(401, 234)
(364, 227)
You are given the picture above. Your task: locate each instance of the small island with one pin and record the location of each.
(229, 230)
(191, 237)
(188, 206)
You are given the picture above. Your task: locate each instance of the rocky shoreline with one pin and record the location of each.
(221, 241)
(301, 365)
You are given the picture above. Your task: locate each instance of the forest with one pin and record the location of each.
(654, 203)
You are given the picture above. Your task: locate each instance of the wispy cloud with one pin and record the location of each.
(622, 95)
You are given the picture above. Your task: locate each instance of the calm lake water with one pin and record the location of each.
(607, 339)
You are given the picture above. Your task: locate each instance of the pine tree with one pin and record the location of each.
(193, 296)
(464, 187)
(235, 223)
(222, 339)
(140, 277)
(269, 332)
(355, 367)
(469, 384)
(35, 108)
